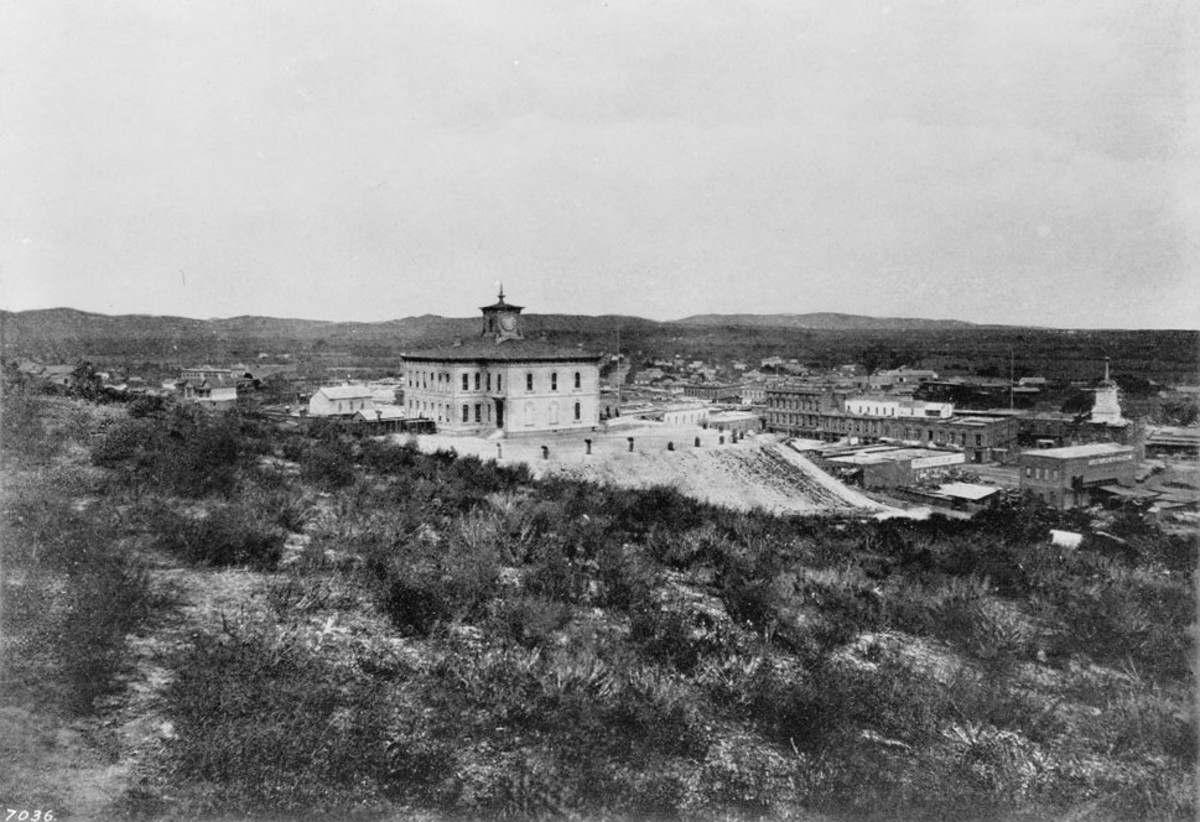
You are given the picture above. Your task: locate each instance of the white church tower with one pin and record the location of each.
(1106, 409)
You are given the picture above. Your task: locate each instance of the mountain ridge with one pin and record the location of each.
(46, 322)
(822, 320)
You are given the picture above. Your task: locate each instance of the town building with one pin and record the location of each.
(503, 382)
(1076, 475)
(341, 401)
(884, 467)
(716, 392)
(817, 412)
(205, 372)
(211, 392)
(648, 375)
(889, 407)
(741, 421)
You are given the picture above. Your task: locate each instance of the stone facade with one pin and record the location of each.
(503, 382)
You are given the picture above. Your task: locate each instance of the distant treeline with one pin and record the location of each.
(66, 336)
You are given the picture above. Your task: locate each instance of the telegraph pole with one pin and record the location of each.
(1011, 374)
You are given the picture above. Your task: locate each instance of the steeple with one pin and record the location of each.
(1106, 408)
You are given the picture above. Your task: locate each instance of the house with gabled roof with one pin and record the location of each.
(341, 401)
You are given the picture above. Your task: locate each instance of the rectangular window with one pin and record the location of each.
(529, 382)
(476, 380)
(554, 381)
(578, 381)
(466, 412)
(466, 382)
(478, 412)
(489, 381)
(578, 409)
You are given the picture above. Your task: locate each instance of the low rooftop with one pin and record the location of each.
(1096, 449)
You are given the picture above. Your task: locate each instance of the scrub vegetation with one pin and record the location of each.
(435, 636)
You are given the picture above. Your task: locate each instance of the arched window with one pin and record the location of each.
(578, 382)
(578, 410)
(466, 414)
(554, 413)
(529, 413)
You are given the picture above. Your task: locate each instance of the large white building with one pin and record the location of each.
(340, 401)
(502, 382)
(878, 407)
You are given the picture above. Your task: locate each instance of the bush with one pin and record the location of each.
(288, 507)
(429, 583)
(328, 464)
(230, 535)
(71, 594)
(531, 621)
(24, 434)
(106, 602)
(263, 725)
(187, 452)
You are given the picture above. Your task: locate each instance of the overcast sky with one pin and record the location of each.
(991, 161)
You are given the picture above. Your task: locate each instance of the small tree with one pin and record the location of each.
(85, 382)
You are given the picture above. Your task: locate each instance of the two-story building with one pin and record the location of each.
(501, 381)
(1069, 477)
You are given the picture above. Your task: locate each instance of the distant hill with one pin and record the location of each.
(824, 321)
(70, 325)
(67, 333)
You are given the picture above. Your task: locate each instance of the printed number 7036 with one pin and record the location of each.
(29, 816)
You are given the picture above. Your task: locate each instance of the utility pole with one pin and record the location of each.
(1011, 374)
(620, 379)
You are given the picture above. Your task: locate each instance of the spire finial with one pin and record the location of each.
(501, 284)
(1106, 369)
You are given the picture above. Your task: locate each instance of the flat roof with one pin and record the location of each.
(1096, 449)
(1132, 493)
(967, 490)
(876, 456)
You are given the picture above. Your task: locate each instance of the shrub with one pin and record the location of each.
(107, 600)
(24, 434)
(430, 582)
(71, 593)
(262, 724)
(531, 621)
(287, 507)
(328, 464)
(230, 535)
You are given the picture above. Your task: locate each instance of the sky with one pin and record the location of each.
(1018, 162)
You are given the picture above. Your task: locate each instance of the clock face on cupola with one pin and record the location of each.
(501, 320)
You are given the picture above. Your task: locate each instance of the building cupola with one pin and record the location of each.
(501, 320)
